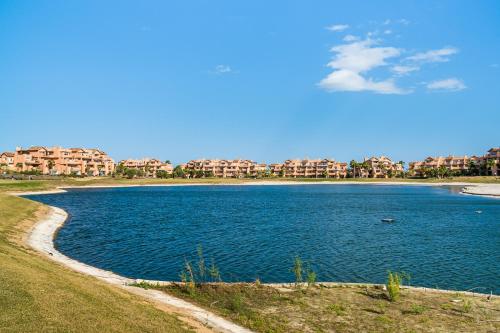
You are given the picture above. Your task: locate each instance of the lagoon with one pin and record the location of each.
(250, 232)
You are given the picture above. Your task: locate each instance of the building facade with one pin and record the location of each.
(63, 161)
(224, 168)
(307, 168)
(489, 164)
(149, 166)
(380, 167)
(492, 160)
(6, 161)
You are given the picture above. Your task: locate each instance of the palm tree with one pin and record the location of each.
(384, 170)
(490, 164)
(365, 166)
(353, 164)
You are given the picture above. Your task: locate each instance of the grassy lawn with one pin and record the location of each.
(343, 309)
(38, 295)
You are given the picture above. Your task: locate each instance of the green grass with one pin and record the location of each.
(38, 295)
(341, 309)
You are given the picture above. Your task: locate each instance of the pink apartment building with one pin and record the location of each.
(490, 162)
(150, 166)
(61, 161)
(380, 167)
(307, 168)
(226, 168)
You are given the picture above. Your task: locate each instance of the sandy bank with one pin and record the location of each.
(41, 239)
(490, 190)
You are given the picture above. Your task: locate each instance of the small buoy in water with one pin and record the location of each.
(479, 211)
(388, 220)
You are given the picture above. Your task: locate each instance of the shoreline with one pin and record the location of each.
(41, 238)
(477, 189)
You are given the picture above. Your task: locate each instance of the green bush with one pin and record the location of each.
(394, 286)
(297, 270)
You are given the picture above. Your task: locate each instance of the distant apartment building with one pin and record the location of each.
(149, 166)
(63, 161)
(458, 164)
(380, 167)
(307, 168)
(6, 161)
(224, 168)
(489, 164)
(492, 160)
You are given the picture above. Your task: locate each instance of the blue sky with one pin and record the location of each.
(265, 80)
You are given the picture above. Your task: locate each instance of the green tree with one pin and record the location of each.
(354, 165)
(120, 169)
(442, 171)
(162, 174)
(178, 172)
(366, 167)
(490, 164)
(424, 171)
(130, 173)
(472, 168)
(50, 165)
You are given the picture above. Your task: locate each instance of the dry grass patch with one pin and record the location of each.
(343, 309)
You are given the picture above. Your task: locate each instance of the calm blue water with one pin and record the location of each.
(255, 231)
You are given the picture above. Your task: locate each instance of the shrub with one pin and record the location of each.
(297, 270)
(311, 277)
(467, 306)
(393, 286)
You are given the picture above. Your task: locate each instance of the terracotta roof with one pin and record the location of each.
(7, 153)
(37, 148)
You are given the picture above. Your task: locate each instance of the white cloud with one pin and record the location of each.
(353, 60)
(350, 38)
(404, 21)
(388, 32)
(222, 69)
(346, 80)
(451, 84)
(337, 27)
(387, 22)
(401, 70)
(440, 55)
(494, 65)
